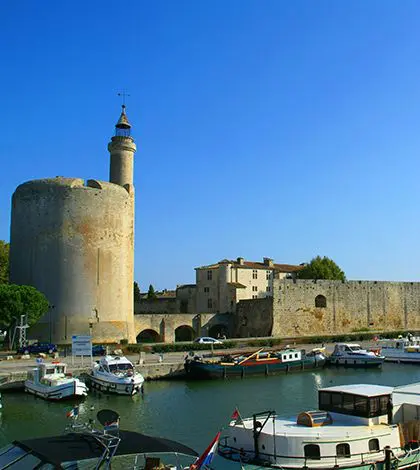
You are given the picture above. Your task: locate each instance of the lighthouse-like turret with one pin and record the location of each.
(122, 148)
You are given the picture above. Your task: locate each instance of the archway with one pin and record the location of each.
(148, 336)
(184, 333)
(218, 331)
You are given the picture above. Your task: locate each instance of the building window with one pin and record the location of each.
(209, 303)
(268, 289)
(374, 445)
(320, 301)
(209, 275)
(312, 452)
(255, 296)
(255, 288)
(254, 274)
(343, 450)
(268, 274)
(206, 290)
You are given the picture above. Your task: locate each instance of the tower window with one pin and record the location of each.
(268, 274)
(206, 290)
(209, 275)
(254, 274)
(209, 303)
(254, 289)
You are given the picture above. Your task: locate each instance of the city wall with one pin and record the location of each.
(308, 307)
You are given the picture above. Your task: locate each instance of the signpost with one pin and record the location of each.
(81, 346)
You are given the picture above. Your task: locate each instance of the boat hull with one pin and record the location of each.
(204, 370)
(355, 362)
(60, 392)
(117, 388)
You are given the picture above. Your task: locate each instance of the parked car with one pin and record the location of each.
(37, 348)
(207, 340)
(98, 350)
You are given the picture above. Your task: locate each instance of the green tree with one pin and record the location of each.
(4, 262)
(136, 292)
(151, 294)
(322, 268)
(20, 300)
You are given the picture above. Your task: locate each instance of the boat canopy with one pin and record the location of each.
(74, 447)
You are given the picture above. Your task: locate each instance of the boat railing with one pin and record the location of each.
(239, 454)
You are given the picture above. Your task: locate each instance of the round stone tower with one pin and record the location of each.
(74, 241)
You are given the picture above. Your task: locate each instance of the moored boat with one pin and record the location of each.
(401, 349)
(352, 355)
(52, 382)
(115, 374)
(355, 426)
(261, 362)
(89, 448)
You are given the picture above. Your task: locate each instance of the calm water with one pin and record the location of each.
(193, 411)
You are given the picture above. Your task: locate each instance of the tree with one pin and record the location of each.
(322, 268)
(151, 294)
(20, 300)
(4, 262)
(136, 292)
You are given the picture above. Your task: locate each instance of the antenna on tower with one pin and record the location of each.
(123, 95)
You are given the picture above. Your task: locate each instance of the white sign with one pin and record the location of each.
(81, 345)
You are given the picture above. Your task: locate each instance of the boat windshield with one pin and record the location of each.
(120, 368)
(355, 348)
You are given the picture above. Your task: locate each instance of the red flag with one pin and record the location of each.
(235, 415)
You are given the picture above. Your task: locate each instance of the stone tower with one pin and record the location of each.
(74, 241)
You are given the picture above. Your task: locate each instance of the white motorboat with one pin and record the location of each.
(351, 429)
(352, 355)
(400, 349)
(51, 381)
(115, 374)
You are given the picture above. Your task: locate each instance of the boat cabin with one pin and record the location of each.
(347, 348)
(47, 374)
(411, 344)
(115, 365)
(366, 404)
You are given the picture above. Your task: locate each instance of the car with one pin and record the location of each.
(98, 350)
(36, 348)
(207, 340)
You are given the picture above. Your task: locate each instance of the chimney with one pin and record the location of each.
(268, 262)
(240, 261)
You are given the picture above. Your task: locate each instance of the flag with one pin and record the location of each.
(235, 415)
(207, 456)
(73, 413)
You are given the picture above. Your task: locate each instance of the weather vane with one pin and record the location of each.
(123, 94)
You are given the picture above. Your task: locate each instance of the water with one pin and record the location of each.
(193, 411)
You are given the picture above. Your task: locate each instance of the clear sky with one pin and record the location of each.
(276, 128)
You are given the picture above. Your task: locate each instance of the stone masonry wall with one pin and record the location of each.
(254, 317)
(350, 306)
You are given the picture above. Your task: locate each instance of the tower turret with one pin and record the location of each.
(122, 148)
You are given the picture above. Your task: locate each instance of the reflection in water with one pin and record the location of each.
(192, 412)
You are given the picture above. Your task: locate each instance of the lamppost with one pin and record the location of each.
(50, 307)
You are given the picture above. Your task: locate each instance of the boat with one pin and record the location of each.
(85, 446)
(352, 355)
(115, 374)
(52, 382)
(402, 349)
(261, 362)
(355, 426)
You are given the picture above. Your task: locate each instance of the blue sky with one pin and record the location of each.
(284, 129)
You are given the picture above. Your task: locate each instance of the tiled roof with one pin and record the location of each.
(283, 268)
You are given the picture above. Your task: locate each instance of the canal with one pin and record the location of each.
(193, 411)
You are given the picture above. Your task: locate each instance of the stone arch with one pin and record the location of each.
(320, 301)
(148, 336)
(218, 331)
(184, 333)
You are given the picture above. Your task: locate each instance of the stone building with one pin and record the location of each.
(221, 285)
(74, 241)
